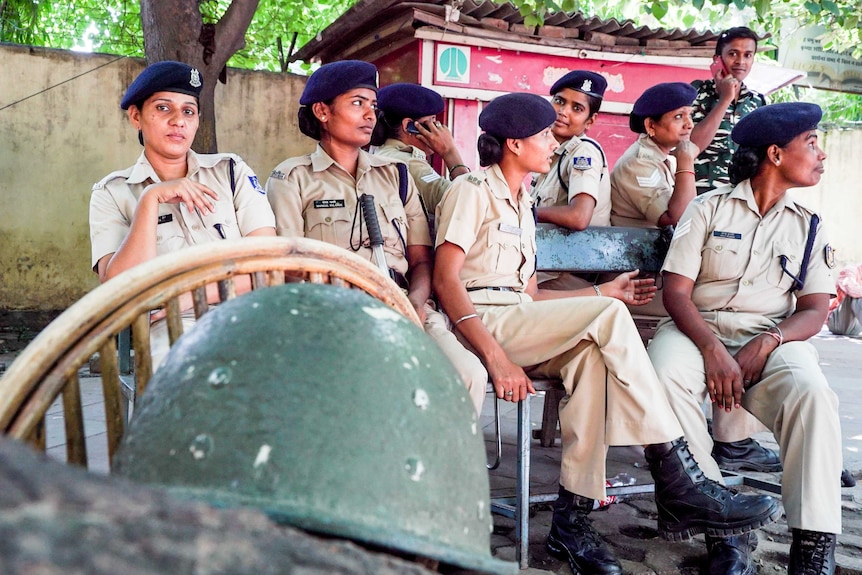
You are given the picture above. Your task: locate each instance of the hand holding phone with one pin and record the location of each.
(718, 66)
(411, 127)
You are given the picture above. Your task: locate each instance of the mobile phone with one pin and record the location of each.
(411, 127)
(718, 66)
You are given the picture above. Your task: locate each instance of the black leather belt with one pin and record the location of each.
(492, 288)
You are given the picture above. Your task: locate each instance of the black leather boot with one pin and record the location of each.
(731, 555)
(812, 553)
(573, 538)
(746, 454)
(689, 503)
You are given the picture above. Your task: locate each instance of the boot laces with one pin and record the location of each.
(819, 547)
(579, 523)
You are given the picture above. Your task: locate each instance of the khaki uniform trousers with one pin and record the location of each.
(793, 399)
(612, 394)
(469, 367)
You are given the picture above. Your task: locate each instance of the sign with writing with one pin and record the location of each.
(802, 50)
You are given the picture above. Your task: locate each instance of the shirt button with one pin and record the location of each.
(718, 248)
(746, 283)
(327, 219)
(756, 252)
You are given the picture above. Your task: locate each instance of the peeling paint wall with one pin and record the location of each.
(55, 143)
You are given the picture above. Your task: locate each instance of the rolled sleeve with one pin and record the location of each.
(686, 247)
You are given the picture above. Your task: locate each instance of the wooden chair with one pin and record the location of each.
(49, 366)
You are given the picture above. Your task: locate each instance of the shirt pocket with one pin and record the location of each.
(721, 259)
(222, 222)
(503, 255)
(169, 235)
(775, 275)
(330, 225)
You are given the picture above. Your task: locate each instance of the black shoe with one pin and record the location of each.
(731, 555)
(688, 503)
(573, 538)
(812, 553)
(745, 455)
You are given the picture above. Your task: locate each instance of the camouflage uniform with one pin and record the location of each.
(710, 167)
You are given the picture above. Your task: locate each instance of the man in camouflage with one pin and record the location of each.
(720, 103)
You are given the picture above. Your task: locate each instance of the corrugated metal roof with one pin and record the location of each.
(363, 28)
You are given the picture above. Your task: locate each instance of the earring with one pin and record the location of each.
(777, 162)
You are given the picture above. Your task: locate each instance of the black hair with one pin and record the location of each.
(594, 103)
(745, 163)
(308, 122)
(490, 149)
(732, 34)
(386, 127)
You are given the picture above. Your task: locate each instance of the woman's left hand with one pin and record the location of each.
(630, 289)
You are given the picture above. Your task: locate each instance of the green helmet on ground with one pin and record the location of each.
(328, 410)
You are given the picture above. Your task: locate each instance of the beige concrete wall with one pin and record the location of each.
(54, 144)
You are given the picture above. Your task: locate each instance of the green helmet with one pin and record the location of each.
(328, 410)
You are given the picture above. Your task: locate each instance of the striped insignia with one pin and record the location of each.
(682, 229)
(651, 181)
(430, 177)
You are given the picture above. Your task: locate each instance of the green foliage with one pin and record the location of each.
(114, 26)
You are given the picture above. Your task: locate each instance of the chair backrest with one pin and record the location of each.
(49, 365)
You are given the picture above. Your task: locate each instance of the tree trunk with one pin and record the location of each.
(174, 31)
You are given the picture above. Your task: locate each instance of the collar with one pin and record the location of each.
(648, 148)
(321, 161)
(501, 189)
(143, 170)
(406, 148)
(744, 193)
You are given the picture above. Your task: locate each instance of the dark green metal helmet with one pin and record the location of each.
(328, 410)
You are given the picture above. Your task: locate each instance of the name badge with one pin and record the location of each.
(323, 204)
(727, 235)
(165, 218)
(507, 229)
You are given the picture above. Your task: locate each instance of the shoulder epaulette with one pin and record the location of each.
(283, 169)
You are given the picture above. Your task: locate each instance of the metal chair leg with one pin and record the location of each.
(498, 437)
(522, 505)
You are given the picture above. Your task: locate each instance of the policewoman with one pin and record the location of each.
(171, 197)
(485, 279)
(747, 281)
(576, 191)
(653, 181)
(317, 196)
(408, 131)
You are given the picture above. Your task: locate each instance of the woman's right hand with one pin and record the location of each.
(510, 381)
(723, 378)
(193, 194)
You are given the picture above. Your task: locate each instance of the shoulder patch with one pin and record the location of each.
(829, 256)
(255, 183)
(582, 163)
(475, 179)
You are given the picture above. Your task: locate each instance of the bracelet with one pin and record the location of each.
(773, 335)
(779, 337)
(684, 172)
(598, 291)
(465, 318)
(456, 166)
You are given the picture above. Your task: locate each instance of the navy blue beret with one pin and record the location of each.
(335, 78)
(167, 76)
(589, 83)
(516, 115)
(658, 100)
(776, 124)
(403, 100)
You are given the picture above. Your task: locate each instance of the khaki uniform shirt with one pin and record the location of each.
(734, 255)
(497, 234)
(114, 199)
(580, 163)
(430, 184)
(710, 167)
(312, 196)
(641, 185)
